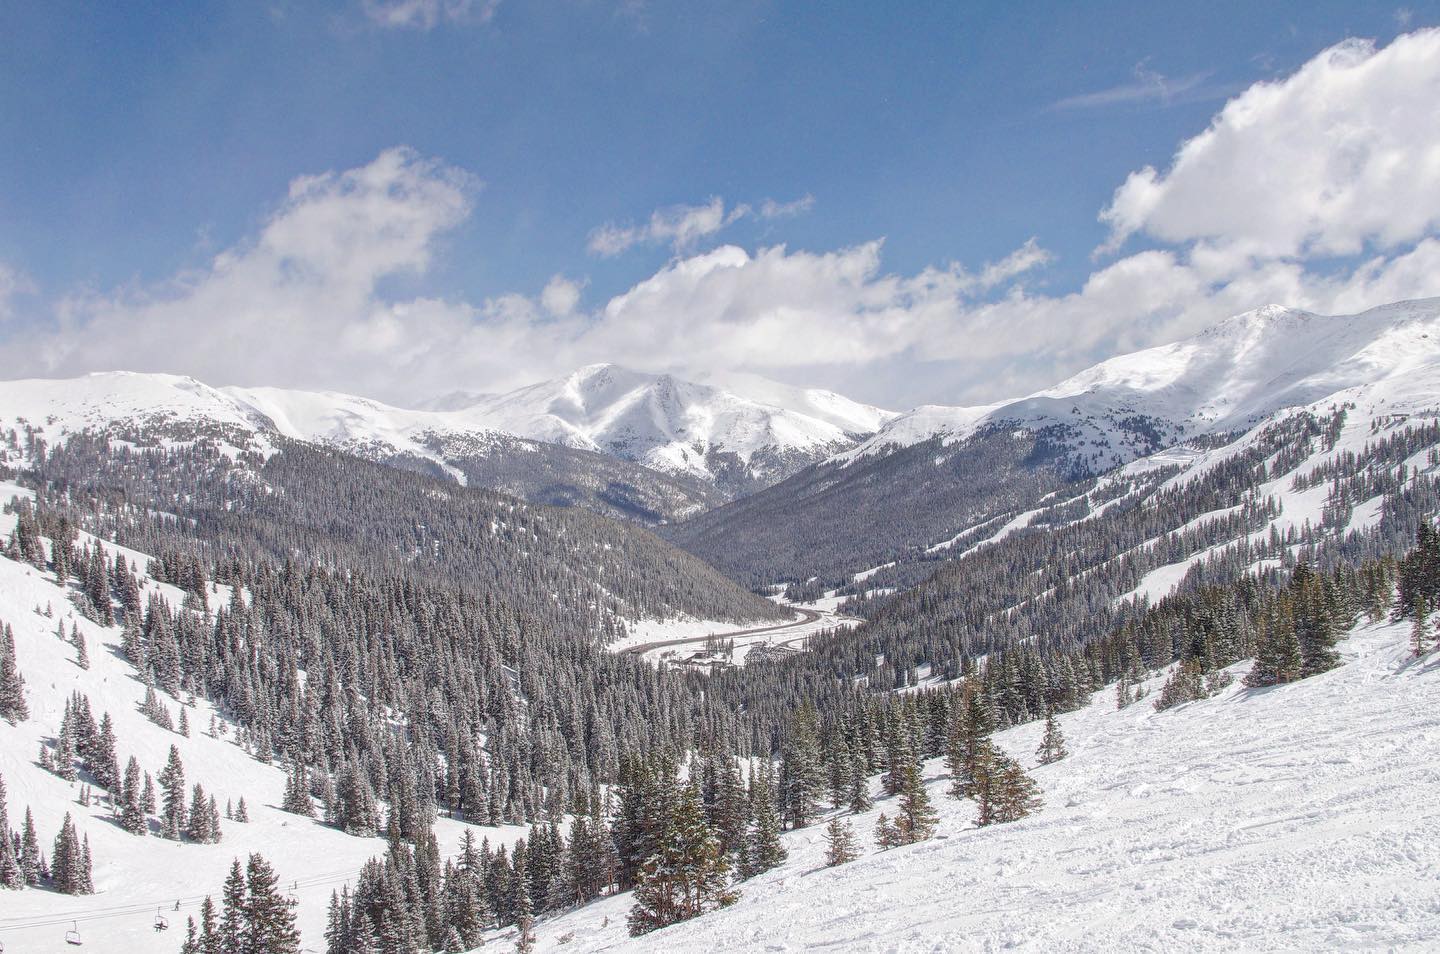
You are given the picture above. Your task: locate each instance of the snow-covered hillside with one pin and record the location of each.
(1292, 818)
(136, 875)
(1228, 377)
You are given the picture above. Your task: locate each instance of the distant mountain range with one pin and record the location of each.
(640, 446)
(753, 474)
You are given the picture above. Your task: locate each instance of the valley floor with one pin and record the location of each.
(1301, 817)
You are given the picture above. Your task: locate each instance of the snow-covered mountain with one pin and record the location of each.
(1224, 379)
(938, 476)
(707, 432)
(626, 443)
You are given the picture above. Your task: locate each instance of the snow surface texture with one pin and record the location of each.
(133, 875)
(1298, 818)
(1228, 377)
(655, 420)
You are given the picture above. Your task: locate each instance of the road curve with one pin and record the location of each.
(806, 616)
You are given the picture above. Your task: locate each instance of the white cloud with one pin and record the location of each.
(770, 209)
(1147, 86)
(427, 14)
(560, 296)
(679, 226)
(1341, 156)
(298, 304)
(683, 226)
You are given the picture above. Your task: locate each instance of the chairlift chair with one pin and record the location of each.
(72, 936)
(161, 924)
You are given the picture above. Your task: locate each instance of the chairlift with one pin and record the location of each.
(161, 923)
(72, 936)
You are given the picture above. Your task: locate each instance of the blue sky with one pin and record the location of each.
(141, 146)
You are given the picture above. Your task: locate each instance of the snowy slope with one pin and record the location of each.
(1225, 378)
(134, 876)
(1298, 818)
(679, 426)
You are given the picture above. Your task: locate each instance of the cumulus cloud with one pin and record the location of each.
(1341, 156)
(300, 300)
(427, 14)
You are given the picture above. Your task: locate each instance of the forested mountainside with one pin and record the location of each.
(938, 477)
(569, 570)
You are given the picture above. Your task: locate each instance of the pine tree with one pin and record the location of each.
(802, 774)
(11, 875)
(1018, 795)
(297, 798)
(12, 685)
(232, 931)
(860, 800)
(104, 763)
(70, 862)
(764, 849)
(886, 834)
(916, 818)
(688, 874)
(1420, 625)
(242, 814)
(840, 839)
(172, 783)
(65, 754)
(198, 826)
(82, 654)
(269, 916)
(1052, 746)
(132, 809)
(209, 928)
(32, 864)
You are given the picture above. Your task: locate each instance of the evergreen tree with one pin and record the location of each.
(198, 827)
(887, 835)
(242, 814)
(269, 915)
(688, 874)
(132, 809)
(11, 875)
(859, 788)
(1052, 746)
(802, 774)
(172, 783)
(12, 685)
(32, 864)
(1420, 626)
(764, 849)
(840, 843)
(297, 798)
(916, 818)
(232, 932)
(70, 862)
